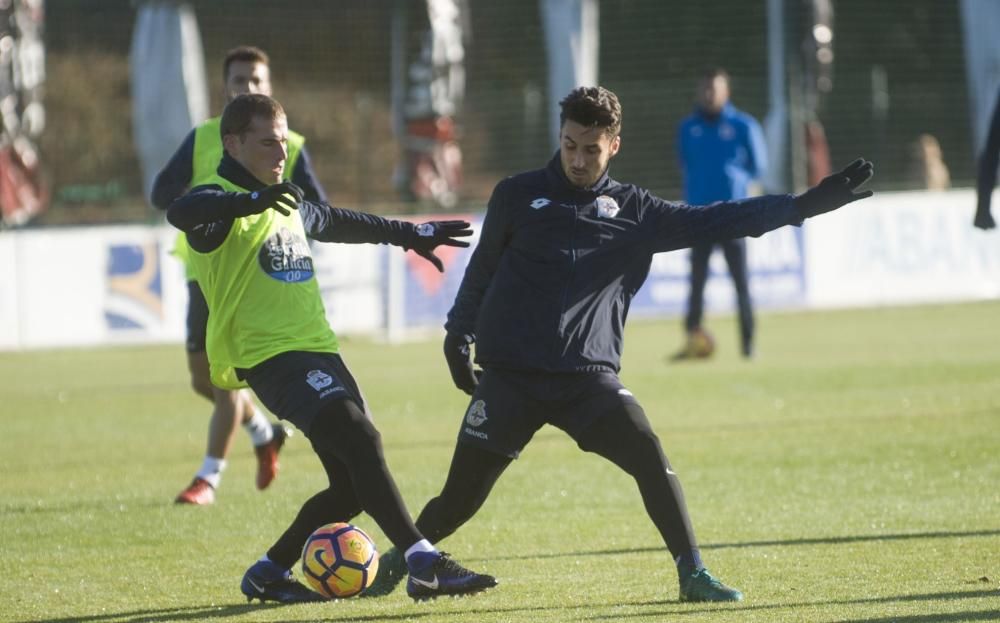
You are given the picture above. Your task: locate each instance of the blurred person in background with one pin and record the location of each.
(927, 167)
(721, 151)
(245, 69)
(544, 299)
(986, 176)
(267, 330)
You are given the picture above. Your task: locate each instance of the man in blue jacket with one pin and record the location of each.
(544, 299)
(721, 150)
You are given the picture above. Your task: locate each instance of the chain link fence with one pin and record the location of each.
(897, 74)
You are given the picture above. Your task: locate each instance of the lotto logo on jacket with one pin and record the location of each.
(285, 257)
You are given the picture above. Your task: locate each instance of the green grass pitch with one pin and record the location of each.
(850, 473)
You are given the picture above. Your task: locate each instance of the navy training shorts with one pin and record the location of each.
(197, 318)
(509, 406)
(297, 385)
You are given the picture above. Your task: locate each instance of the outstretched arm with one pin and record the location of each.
(206, 214)
(206, 205)
(837, 190)
(328, 224)
(676, 226)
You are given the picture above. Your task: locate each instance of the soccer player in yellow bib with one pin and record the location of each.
(245, 69)
(267, 330)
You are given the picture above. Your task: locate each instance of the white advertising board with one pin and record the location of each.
(774, 261)
(98, 285)
(108, 285)
(899, 248)
(350, 278)
(9, 317)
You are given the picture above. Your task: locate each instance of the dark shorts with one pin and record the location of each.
(197, 318)
(296, 385)
(509, 406)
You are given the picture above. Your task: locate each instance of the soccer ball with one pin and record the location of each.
(700, 344)
(339, 560)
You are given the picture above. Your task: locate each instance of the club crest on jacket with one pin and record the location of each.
(607, 207)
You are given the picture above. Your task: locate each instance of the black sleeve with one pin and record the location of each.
(206, 215)
(174, 179)
(305, 178)
(325, 223)
(204, 205)
(986, 178)
(493, 239)
(670, 226)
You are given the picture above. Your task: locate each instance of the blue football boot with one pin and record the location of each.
(267, 581)
(433, 574)
(700, 585)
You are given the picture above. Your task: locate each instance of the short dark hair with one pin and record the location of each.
(714, 72)
(246, 54)
(592, 106)
(240, 113)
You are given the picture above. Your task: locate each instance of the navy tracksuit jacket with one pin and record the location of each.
(548, 286)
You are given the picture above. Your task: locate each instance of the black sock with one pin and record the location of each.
(689, 562)
(323, 508)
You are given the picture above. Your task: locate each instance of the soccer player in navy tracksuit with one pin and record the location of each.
(721, 150)
(544, 299)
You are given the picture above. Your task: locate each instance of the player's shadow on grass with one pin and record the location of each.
(191, 613)
(465, 612)
(470, 611)
(943, 617)
(833, 540)
(837, 540)
(207, 613)
(946, 617)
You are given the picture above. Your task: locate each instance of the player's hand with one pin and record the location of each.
(428, 236)
(458, 353)
(283, 197)
(836, 190)
(984, 219)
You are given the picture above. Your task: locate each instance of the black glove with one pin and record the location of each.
(283, 197)
(458, 353)
(835, 190)
(428, 236)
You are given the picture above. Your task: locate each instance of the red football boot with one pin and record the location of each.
(267, 456)
(198, 492)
